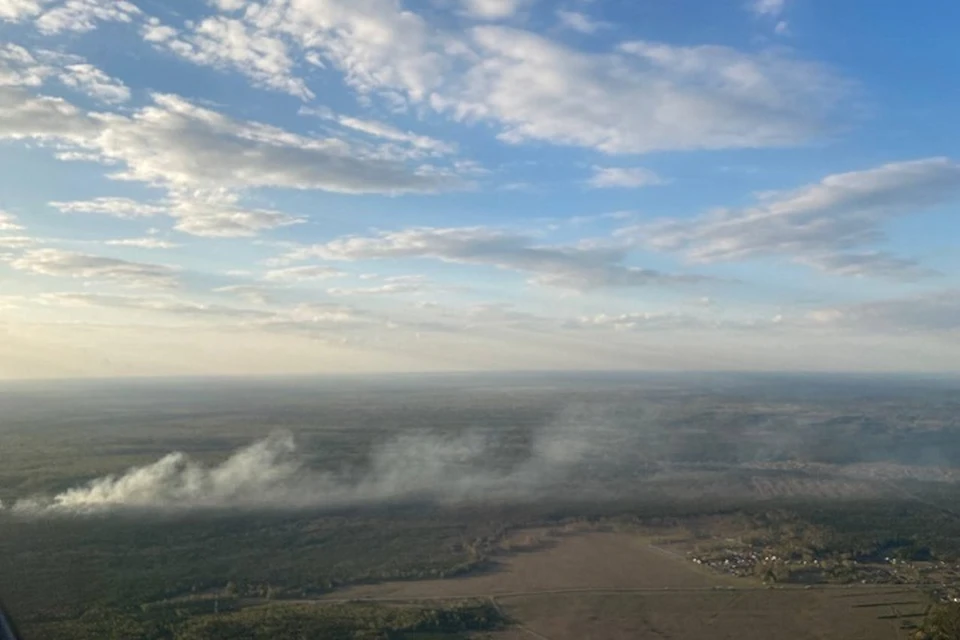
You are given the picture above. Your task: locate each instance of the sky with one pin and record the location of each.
(240, 187)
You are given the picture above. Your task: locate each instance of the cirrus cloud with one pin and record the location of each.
(69, 264)
(571, 267)
(822, 224)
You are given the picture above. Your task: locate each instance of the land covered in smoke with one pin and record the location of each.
(122, 497)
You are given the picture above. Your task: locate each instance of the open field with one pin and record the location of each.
(858, 614)
(610, 586)
(578, 561)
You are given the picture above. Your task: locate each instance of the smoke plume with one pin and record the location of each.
(273, 474)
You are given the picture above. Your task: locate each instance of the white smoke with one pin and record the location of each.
(273, 474)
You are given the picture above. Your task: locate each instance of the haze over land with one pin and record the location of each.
(590, 438)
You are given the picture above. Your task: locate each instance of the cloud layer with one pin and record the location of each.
(825, 224)
(577, 267)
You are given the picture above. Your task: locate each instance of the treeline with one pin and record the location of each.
(941, 623)
(280, 622)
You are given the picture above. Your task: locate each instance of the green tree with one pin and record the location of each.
(942, 623)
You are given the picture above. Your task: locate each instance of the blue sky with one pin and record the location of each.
(297, 186)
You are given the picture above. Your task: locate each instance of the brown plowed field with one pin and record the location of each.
(582, 561)
(616, 586)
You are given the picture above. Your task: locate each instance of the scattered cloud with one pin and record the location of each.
(391, 286)
(214, 214)
(639, 321)
(83, 15)
(767, 7)
(95, 83)
(303, 274)
(493, 9)
(383, 130)
(16, 242)
(22, 68)
(176, 144)
(219, 214)
(255, 294)
(929, 312)
(580, 22)
(125, 208)
(229, 43)
(42, 117)
(143, 243)
(377, 44)
(205, 160)
(817, 224)
(8, 222)
(68, 264)
(876, 264)
(19, 67)
(155, 32)
(571, 267)
(642, 97)
(17, 10)
(623, 178)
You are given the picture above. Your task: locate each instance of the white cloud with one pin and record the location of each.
(205, 160)
(143, 243)
(325, 322)
(877, 264)
(218, 214)
(83, 15)
(163, 305)
(230, 43)
(580, 21)
(782, 28)
(176, 144)
(155, 32)
(16, 242)
(302, 274)
(493, 9)
(383, 130)
(814, 223)
(125, 208)
(579, 267)
(249, 292)
(391, 286)
(638, 98)
(376, 43)
(19, 67)
(42, 117)
(8, 222)
(17, 10)
(639, 321)
(623, 178)
(643, 97)
(68, 264)
(767, 7)
(229, 5)
(95, 83)
(931, 312)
